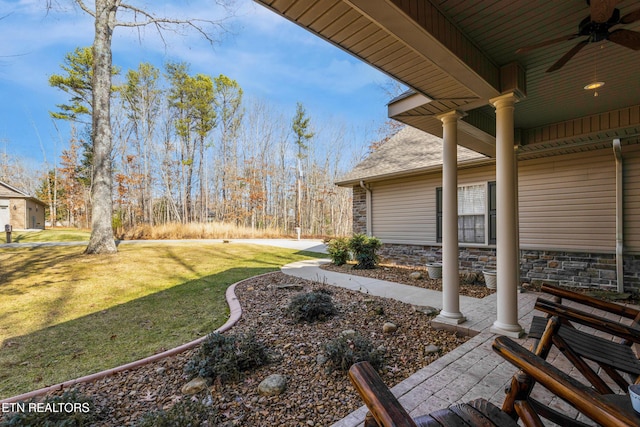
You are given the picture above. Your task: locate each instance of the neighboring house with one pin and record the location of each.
(20, 210)
(567, 209)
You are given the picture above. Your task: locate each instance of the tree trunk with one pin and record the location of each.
(101, 241)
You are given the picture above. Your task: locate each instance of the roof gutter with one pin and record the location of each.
(617, 151)
(368, 208)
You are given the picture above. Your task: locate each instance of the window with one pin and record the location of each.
(472, 207)
(476, 212)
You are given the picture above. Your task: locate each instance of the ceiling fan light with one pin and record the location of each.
(594, 85)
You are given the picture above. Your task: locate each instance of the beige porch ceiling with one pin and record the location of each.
(458, 54)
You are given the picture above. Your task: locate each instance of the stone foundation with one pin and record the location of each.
(585, 270)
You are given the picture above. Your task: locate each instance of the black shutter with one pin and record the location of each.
(492, 213)
(439, 214)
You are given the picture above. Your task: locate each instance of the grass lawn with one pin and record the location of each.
(64, 314)
(48, 235)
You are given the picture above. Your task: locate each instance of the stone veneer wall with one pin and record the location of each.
(359, 210)
(536, 266)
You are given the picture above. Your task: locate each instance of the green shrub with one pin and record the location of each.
(346, 350)
(69, 409)
(311, 306)
(185, 413)
(224, 357)
(364, 251)
(338, 250)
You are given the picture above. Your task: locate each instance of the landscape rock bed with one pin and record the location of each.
(313, 396)
(471, 284)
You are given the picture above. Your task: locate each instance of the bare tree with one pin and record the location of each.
(105, 15)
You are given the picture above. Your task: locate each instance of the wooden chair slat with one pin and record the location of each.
(449, 418)
(492, 412)
(611, 307)
(588, 319)
(427, 421)
(582, 366)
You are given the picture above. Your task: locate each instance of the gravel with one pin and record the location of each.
(314, 396)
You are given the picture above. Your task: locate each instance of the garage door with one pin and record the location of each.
(4, 214)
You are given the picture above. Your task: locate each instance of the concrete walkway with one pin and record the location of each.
(470, 371)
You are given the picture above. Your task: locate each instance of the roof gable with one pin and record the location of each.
(409, 151)
(7, 190)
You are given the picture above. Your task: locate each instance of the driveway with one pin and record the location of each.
(311, 245)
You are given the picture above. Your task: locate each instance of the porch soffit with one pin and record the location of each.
(416, 52)
(450, 52)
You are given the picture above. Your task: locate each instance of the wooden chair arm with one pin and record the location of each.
(611, 307)
(588, 319)
(383, 405)
(584, 399)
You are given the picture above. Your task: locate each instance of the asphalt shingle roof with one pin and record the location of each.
(408, 151)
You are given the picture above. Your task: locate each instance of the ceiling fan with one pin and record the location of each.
(603, 16)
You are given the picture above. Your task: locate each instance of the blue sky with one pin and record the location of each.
(272, 60)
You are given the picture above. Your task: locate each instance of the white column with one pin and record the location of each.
(450, 312)
(508, 271)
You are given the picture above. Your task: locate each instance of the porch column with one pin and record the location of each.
(508, 265)
(450, 312)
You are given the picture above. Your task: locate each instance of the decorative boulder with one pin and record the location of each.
(194, 386)
(431, 349)
(389, 328)
(273, 385)
(348, 333)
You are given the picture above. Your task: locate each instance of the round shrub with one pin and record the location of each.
(346, 350)
(311, 307)
(338, 250)
(224, 357)
(364, 250)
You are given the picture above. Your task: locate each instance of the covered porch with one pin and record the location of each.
(511, 80)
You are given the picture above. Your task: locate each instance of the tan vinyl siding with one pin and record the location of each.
(631, 159)
(568, 202)
(404, 211)
(479, 175)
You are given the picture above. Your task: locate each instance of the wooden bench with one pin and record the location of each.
(617, 359)
(609, 410)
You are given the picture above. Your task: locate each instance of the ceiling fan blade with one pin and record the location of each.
(630, 17)
(601, 10)
(546, 43)
(626, 38)
(567, 56)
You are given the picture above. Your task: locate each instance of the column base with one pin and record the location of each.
(450, 318)
(511, 331)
